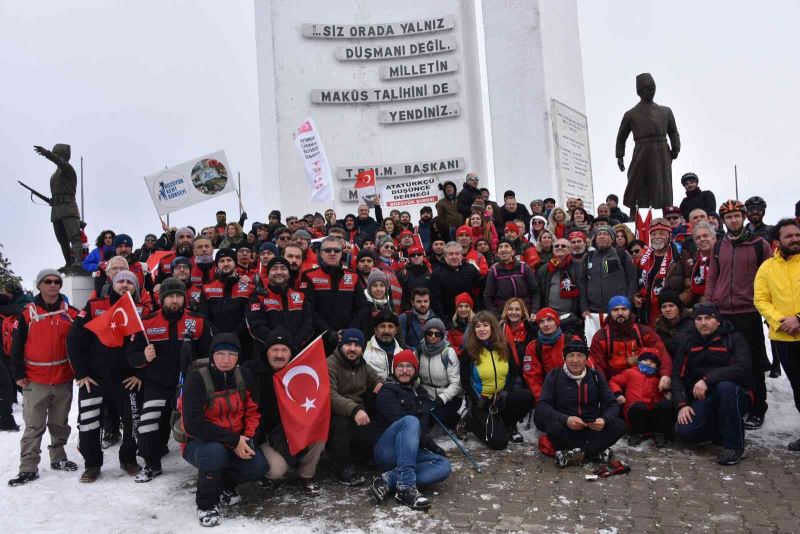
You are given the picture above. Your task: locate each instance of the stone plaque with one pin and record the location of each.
(396, 170)
(420, 113)
(384, 94)
(349, 194)
(414, 69)
(436, 45)
(370, 31)
(573, 161)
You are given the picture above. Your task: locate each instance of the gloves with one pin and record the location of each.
(332, 338)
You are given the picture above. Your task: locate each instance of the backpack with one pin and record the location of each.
(9, 324)
(758, 248)
(201, 366)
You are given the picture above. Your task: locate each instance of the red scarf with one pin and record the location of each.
(646, 263)
(699, 273)
(569, 287)
(559, 230)
(515, 334)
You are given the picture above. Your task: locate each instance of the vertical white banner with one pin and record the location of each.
(308, 143)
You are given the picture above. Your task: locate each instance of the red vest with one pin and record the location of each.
(45, 353)
(272, 301)
(156, 326)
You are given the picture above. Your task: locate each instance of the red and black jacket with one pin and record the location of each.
(39, 343)
(614, 344)
(223, 303)
(88, 356)
(539, 360)
(275, 306)
(167, 332)
(333, 296)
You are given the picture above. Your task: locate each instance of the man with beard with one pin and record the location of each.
(365, 262)
(183, 247)
(612, 201)
(453, 277)
(509, 278)
(436, 256)
(277, 305)
(661, 266)
(182, 270)
(148, 247)
(425, 228)
(777, 297)
(695, 198)
(558, 286)
(294, 255)
(412, 321)
(104, 378)
(384, 344)
(730, 286)
(615, 347)
(173, 337)
(332, 292)
(608, 271)
(245, 265)
(123, 247)
(756, 207)
(577, 245)
(203, 261)
(415, 274)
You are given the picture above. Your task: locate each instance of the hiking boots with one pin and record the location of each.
(308, 486)
(64, 465)
(8, 424)
(605, 456)
(635, 439)
(90, 474)
(515, 436)
(210, 517)
(347, 476)
(148, 473)
(380, 489)
(794, 446)
(110, 439)
(412, 498)
(753, 422)
(23, 478)
(731, 456)
(229, 498)
(570, 457)
(131, 469)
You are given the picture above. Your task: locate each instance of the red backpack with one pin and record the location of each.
(9, 324)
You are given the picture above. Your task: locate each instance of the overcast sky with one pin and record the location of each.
(135, 86)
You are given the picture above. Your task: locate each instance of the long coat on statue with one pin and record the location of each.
(650, 170)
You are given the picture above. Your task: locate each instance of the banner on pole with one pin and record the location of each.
(410, 192)
(190, 182)
(308, 143)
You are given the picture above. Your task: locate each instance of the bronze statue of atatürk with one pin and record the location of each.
(650, 169)
(64, 213)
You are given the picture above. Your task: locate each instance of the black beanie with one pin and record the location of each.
(278, 260)
(364, 253)
(225, 253)
(385, 316)
(171, 286)
(669, 295)
(225, 341)
(278, 336)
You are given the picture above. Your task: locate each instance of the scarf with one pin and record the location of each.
(647, 370)
(559, 230)
(699, 273)
(646, 263)
(569, 287)
(576, 378)
(743, 236)
(431, 349)
(515, 334)
(544, 339)
(377, 302)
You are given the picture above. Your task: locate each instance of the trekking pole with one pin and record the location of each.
(458, 443)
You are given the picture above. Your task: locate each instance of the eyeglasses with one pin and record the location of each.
(388, 247)
(673, 217)
(417, 255)
(636, 251)
(51, 281)
(331, 250)
(284, 238)
(560, 246)
(403, 367)
(433, 333)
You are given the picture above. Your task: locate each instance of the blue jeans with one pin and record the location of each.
(718, 417)
(218, 467)
(397, 452)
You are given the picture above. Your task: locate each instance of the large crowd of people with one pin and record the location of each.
(477, 317)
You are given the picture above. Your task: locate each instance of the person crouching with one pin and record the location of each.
(405, 449)
(577, 410)
(220, 426)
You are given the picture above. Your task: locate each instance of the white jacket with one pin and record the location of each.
(377, 358)
(438, 379)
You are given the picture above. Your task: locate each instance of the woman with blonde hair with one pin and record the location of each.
(558, 223)
(234, 236)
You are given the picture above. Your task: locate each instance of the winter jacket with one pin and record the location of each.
(88, 356)
(411, 277)
(466, 197)
(615, 348)
(673, 335)
(521, 214)
(224, 418)
(698, 198)
(471, 382)
(507, 281)
(279, 306)
(91, 263)
(477, 259)
(538, 361)
(447, 282)
(545, 277)
(563, 397)
(636, 387)
(350, 381)
(722, 356)
(732, 272)
(223, 303)
(607, 273)
(367, 226)
(762, 230)
(410, 330)
(395, 401)
(168, 332)
(333, 297)
(378, 359)
(676, 279)
(440, 374)
(777, 293)
(455, 336)
(619, 215)
(526, 252)
(448, 214)
(263, 392)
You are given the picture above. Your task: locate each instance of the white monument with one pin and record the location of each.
(423, 92)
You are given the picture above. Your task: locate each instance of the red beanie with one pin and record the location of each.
(464, 298)
(512, 227)
(463, 229)
(407, 233)
(548, 312)
(405, 356)
(577, 234)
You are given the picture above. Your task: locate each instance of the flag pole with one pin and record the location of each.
(239, 192)
(138, 318)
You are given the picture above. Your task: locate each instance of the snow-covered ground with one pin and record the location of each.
(57, 502)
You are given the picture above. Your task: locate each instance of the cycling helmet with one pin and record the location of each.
(689, 176)
(755, 202)
(730, 206)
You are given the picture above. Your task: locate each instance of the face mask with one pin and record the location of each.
(646, 369)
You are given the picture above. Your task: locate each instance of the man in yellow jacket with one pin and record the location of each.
(777, 297)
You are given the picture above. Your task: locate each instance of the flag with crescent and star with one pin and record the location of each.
(365, 179)
(303, 392)
(118, 322)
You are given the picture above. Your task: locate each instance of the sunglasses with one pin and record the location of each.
(284, 238)
(673, 218)
(51, 281)
(331, 250)
(433, 334)
(417, 255)
(560, 246)
(636, 251)
(388, 247)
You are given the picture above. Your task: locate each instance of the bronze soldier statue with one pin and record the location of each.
(64, 214)
(650, 170)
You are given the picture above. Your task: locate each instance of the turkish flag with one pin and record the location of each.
(643, 226)
(365, 179)
(154, 260)
(118, 322)
(303, 391)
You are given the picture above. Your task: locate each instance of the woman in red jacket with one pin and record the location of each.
(544, 353)
(464, 314)
(646, 410)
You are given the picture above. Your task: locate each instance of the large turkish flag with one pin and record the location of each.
(118, 322)
(365, 179)
(303, 391)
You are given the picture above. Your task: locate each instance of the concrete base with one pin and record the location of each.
(77, 289)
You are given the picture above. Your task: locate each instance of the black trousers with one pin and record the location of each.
(447, 413)
(660, 419)
(495, 433)
(91, 406)
(8, 393)
(346, 439)
(591, 442)
(750, 325)
(154, 430)
(789, 353)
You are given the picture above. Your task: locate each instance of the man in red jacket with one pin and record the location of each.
(220, 419)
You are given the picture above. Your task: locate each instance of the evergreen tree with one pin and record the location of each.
(6, 274)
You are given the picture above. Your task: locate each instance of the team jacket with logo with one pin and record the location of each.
(332, 294)
(223, 303)
(273, 307)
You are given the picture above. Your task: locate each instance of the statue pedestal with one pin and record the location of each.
(78, 289)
